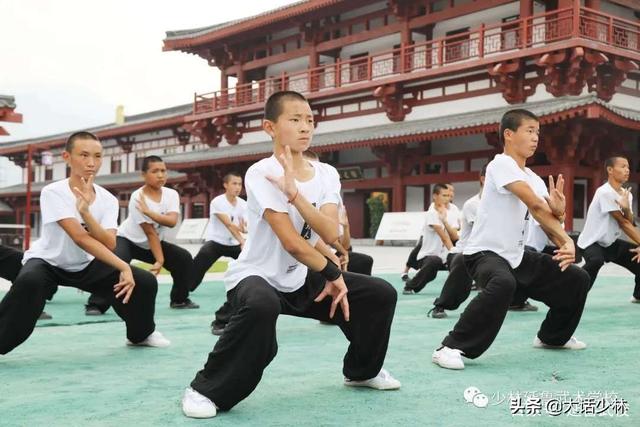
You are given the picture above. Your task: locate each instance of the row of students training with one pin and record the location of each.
(285, 266)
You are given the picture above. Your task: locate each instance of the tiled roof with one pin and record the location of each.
(195, 32)
(104, 180)
(405, 128)
(179, 110)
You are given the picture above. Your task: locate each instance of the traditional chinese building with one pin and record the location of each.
(405, 94)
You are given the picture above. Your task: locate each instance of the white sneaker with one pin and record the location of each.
(635, 300)
(382, 381)
(156, 339)
(195, 405)
(449, 358)
(572, 344)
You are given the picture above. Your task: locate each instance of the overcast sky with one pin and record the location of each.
(69, 63)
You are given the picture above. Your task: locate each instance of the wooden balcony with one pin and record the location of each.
(477, 48)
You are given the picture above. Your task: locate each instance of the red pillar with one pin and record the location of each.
(398, 195)
(526, 10)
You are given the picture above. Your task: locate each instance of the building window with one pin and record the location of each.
(116, 166)
(197, 210)
(48, 174)
(510, 34)
(359, 64)
(139, 161)
(457, 48)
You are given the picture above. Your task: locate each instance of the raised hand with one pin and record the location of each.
(125, 286)
(141, 205)
(84, 194)
(556, 199)
(623, 201)
(337, 290)
(287, 182)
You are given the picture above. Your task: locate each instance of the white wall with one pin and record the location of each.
(415, 199)
(59, 171)
(617, 10)
(380, 5)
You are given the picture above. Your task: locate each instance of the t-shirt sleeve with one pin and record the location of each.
(433, 218)
(608, 201)
(110, 218)
(265, 194)
(174, 202)
(504, 172)
(469, 211)
(53, 207)
(332, 185)
(217, 206)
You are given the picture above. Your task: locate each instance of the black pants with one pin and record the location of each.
(457, 287)
(412, 261)
(208, 254)
(428, 271)
(176, 259)
(564, 292)
(618, 252)
(37, 280)
(247, 346)
(360, 263)
(10, 263)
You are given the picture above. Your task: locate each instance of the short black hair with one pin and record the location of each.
(437, 188)
(512, 120)
(611, 161)
(148, 160)
(228, 176)
(71, 140)
(273, 106)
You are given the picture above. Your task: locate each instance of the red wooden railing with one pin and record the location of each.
(534, 31)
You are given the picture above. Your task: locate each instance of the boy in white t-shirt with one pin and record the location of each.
(609, 215)
(457, 286)
(227, 220)
(453, 219)
(280, 272)
(495, 257)
(79, 220)
(153, 209)
(436, 242)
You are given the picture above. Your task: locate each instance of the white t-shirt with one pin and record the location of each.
(431, 242)
(536, 237)
(131, 229)
(468, 217)
(263, 254)
(454, 217)
(216, 230)
(57, 202)
(501, 220)
(600, 226)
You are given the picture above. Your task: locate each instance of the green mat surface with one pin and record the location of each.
(76, 371)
